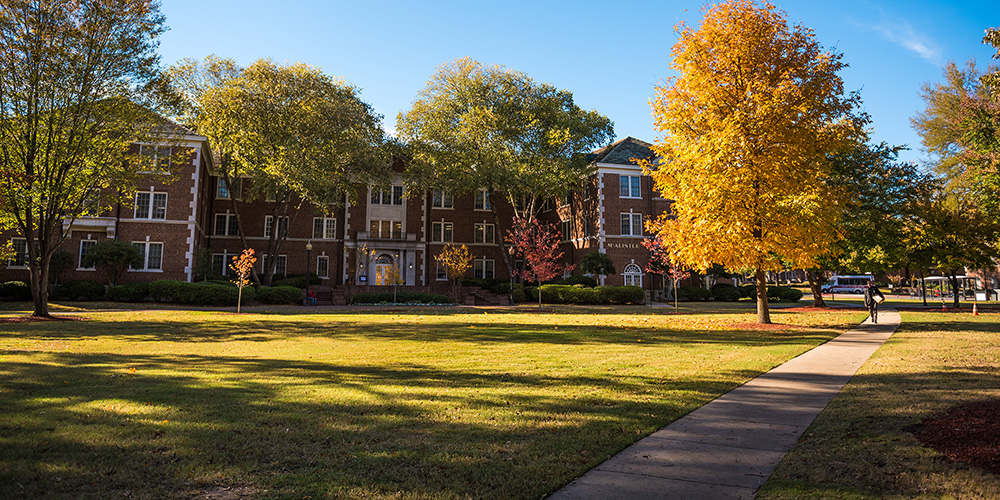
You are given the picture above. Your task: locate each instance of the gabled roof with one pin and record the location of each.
(623, 152)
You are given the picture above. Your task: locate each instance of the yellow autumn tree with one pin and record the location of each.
(746, 127)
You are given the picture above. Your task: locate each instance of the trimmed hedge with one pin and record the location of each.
(401, 298)
(278, 294)
(579, 279)
(199, 294)
(15, 290)
(80, 290)
(579, 294)
(134, 292)
(726, 292)
(783, 294)
(693, 293)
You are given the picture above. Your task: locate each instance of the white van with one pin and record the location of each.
(847, 284)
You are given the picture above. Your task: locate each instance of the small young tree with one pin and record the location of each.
(242, 265)
(114, 257)
(538, 245)
(597, 263)
(456, 261)
(661, 263)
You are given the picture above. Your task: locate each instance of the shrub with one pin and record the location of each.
(518, 294)
(597, 263)
(750, 290)
(165, 290)
(783, 294)
(199, 294)
(726, 292)
(531, 293)
(15, 290)
(133, 292)
(296, 280)
(693, 293)
(81, 290)
(279, 294)
(579, 279)
(623, 294)
(401, 298)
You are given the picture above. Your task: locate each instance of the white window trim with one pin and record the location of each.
(268, 222)
(324, 236)
(327, 258)
(145, 257)
(477, 262)
(487, 202)
(487, 229)
(630, 177)
(79, 256)
(633, 215)
(445, 195)
(442, 224)
(10, 262)
(152, 204)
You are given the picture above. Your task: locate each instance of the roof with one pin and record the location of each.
(623, 152)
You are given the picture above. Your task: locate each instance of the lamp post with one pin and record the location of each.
(309, 249)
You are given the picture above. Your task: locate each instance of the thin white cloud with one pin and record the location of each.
(905, 36)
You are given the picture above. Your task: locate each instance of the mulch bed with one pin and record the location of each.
(36, 319)
(967, 433)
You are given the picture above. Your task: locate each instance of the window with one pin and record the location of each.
(485, 233)
(483, 199)
(323, 266)
(225, 225)
(150, 205)
(391, 196)
(20, 257)
(546, 205)
(91, 206)
(154, 159)
(279, 264)
(442, 199)
(85, 247)
(631, 224)
(587, 232)
(223, 189)
(324, 228)
(441, 232)
(629, 185)
(386, 230)
(567, 199)
(151, 253)
(632, 275)
(482, 269)
(567, 230)
(220, 263)
(442, 272)
(269, 226)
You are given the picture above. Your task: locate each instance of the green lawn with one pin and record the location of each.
(862, 447)
(376, 403)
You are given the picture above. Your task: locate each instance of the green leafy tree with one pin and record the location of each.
(747, 125)
(597, 263)
(487, 127)
(293, 133)
(952, 238)
(113, 257)
(78, 80)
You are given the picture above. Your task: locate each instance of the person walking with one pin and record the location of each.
(873, 297)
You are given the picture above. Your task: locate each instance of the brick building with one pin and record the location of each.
(387, 237)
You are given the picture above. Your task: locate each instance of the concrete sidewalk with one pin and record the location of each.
(729, 447)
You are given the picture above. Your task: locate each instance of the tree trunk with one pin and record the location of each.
(40, 289)
(816, 288)
(763, 315)
(954, 288)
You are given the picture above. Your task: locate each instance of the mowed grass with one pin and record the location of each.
(406, 403)
(862, 445)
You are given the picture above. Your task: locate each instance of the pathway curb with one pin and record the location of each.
(728, 448)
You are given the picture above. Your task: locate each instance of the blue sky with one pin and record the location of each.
(611, 55)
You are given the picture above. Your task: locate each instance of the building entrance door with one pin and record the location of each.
(383, 270)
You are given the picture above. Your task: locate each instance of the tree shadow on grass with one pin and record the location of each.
(165, 426)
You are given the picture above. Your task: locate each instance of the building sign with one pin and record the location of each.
(628, 246)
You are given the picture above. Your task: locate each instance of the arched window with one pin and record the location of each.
(383, 270)
(632, 275)
(384, 259)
